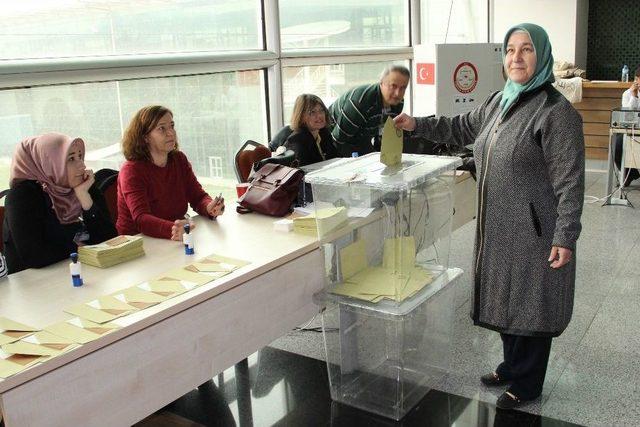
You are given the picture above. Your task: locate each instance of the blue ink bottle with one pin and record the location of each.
(187, 239)
(75, 268)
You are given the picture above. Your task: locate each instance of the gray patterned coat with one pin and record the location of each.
(530, 193)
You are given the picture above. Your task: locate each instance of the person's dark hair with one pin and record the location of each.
(304, 104)
(395, 68)
(134, 147)
(637, 74)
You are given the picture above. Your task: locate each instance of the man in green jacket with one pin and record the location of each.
(359, 114)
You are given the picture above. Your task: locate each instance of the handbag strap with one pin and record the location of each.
(242, 210)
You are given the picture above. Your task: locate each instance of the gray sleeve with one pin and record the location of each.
(460, 130)
(563, 149)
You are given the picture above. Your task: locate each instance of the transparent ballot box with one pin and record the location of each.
(385, 236)
(384, 231)
(384, 358)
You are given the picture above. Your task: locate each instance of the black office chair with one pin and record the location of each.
(288, 158)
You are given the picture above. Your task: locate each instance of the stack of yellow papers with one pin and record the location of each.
(112, 252)
(11, 330)
(321, 222)
(375, 283)
(81, 331)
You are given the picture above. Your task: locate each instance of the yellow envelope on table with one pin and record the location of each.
(188, 276)
(48, 340)
(11, 364)
(80, 330)
(353, 258)
(237, 263)
(11, 330)
(391, 148)
(101, 310)
(213, 270)
(29, 349)
(167, 287)
(139, 298)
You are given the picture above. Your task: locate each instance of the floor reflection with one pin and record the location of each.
(275, 387)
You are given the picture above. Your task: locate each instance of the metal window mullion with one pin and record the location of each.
(40, 73)
(48, 78)
(330, 60)
(271, 16)
(414, 22)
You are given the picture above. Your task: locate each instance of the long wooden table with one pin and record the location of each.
(164, 351)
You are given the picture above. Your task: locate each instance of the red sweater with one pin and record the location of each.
(151, 198)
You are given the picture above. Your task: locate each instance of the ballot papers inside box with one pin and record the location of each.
(405, 240)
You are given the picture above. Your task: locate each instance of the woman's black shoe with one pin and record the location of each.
(492, 379)
(508, 401)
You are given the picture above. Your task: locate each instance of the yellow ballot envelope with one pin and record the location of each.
(167, 287)
(48, 340)
(391, 149)
(11, 330)
(186, 275)
(102, 309)
(80, 330)
(353, 259)
(139, 298)
(11, 364)
(29, 349)
(399, 254)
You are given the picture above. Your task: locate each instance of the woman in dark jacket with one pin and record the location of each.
(529, 150)
(311, 140)
(53, 204)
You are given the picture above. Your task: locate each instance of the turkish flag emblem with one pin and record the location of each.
(425, 74)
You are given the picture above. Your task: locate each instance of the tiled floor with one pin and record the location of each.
(593, 376)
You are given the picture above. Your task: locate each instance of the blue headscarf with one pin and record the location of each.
(544, 64)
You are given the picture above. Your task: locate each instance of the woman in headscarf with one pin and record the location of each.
(529, 151)
(53, 205)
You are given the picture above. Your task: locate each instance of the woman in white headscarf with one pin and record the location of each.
(529, 150)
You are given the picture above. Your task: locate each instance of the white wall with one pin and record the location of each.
(564, 20)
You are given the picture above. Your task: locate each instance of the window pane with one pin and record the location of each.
(214, 115)
(61, 28)
(468, 22)
(329, 81)
(339, 23)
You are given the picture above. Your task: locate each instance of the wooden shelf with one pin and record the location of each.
(598, 99)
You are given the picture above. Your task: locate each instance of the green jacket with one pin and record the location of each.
(357, 116)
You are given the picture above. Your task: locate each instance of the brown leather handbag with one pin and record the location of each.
(272, 190)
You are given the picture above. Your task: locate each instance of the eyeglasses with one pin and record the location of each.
(315, 112)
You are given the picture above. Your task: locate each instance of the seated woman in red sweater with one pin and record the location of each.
(156, 182)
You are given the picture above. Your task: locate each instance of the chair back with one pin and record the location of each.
(250, 153)
(2, 194)
(107, 183)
